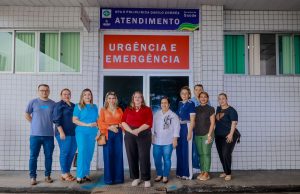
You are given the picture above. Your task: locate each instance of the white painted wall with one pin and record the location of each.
(268, 106)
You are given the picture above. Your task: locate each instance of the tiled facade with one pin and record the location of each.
(268, 106)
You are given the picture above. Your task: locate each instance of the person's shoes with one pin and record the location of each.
(135, 182)
(87, 178)
(227, 178)
(48, 179)
(222, 175)
(147, 184)
(158, 179)
(165, 180)
(205, 177)
(33, 181)
(185, 178)
(200, 175)
(79, 180)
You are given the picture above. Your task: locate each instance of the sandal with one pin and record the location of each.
(227, 178)
(158, 179)
(68, 177)
(222, 175)
(165, 180)
(87, 178)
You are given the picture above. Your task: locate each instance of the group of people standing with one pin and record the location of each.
(78, 126)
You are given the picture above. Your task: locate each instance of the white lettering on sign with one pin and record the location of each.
(136, 47)
(141, 59)
(151, 21)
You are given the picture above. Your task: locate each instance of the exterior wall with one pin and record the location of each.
(268, 106)
(18, 89)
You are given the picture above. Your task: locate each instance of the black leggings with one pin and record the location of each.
(225, 152)
(138, 154)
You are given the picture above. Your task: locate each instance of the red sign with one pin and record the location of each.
(145, 52)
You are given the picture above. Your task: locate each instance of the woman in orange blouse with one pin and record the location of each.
(109, 124)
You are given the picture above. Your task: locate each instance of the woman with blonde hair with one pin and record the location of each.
(110, 124)
(137, 122)
(85, 116)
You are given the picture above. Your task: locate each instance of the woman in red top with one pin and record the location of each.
(137, 122)
(109, 124)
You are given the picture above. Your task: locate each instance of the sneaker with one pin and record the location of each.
(147, 184)
(222, 175)
(205, 177)
(33, 181)
(227, 178)
(135, 182)
(48, 179)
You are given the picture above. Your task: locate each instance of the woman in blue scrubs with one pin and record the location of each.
(186, 114)
(85, 116)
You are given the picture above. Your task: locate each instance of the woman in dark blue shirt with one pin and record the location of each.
(226, 121)
(65, 133)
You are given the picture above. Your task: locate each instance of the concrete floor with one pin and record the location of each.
(243, 182)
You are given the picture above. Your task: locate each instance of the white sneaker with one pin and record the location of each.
(147, 184)
(135, 182)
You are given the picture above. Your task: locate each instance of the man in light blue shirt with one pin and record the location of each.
(39, 114)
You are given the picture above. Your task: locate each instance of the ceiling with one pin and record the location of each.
(228, 4)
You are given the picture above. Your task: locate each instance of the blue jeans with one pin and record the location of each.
(162, 152)
(36, 142)
(67, 148)
(113, 158)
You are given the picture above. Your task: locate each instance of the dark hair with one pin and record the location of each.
(166, 98)
(45, 85)
(223, 94)
(198, 85)
(205, 93)
(65, 89)
(188, 89)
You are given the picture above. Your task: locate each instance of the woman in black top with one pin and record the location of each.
(226, 122)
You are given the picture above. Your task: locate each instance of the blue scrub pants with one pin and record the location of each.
(85, 138)
(113, 158)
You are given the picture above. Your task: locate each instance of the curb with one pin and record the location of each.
(237, 189)
(56, 190)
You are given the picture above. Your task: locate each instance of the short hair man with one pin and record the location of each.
(39, 114)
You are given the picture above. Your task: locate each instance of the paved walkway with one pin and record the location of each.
(243, 181)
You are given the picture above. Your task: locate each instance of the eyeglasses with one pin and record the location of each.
(44, 91)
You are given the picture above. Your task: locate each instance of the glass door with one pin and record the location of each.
(166, 86)
(124, 86)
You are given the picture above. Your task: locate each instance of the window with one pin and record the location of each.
(70, 51)
(25, 52)
(262, 54)
(59, 54)
(6, 51)
(40, 52)
(48, 55)
(289, 54)
(234, 53)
